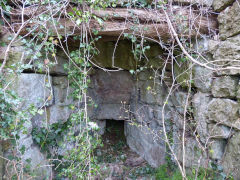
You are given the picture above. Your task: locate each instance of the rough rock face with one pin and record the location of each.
(119, 55)
(194, 154)
(217, 148)
(59, 110)
(231, 161)
(219, 5)
(34, 89)
(108, 94)
(226, 54)
(200, 103)
(229, 21)
(224, 111)
(39, 164)
(225, 86)
(141, 140)
(202, 78)
(219, 131)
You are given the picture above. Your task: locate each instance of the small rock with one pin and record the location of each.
(202, 78)
(134, 161)
(225, 87)
(179, 100)
(224, 111)
(217, 148)
(229, 21)
(219, 131)
(231, 159)
(200, 103)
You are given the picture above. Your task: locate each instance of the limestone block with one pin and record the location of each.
(227, 49)
(144, 113)
(145, 143)
(151, 115)
(154, 58)
(111, 88)
(145, 75)
(122, 57)
(25, 138)
(58, 113)
(194, 156)
(231, 159)
(182, 73)
(229, 21)
(202, 78)
(200, 102)
(220, 5)
(213, 45)
(224, 111)
(34, 89)
(217, 147)
(152, 92)
(201, 44)
(19, 54)
(157, 111)
(59, 110)
(219, 131)
(238, 91)
(179, 100)
(16, 54)
(111, 111)
(39, 164)
(226, 54)
(225, 86)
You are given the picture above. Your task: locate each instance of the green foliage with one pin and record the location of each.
(51, 137)
(166, 173)
(11, 121)
(142, 171)
(5, 6)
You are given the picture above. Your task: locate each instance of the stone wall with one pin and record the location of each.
(213, 131)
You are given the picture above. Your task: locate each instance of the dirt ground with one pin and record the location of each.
(118, 161)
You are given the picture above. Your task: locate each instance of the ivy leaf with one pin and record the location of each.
(37, 140)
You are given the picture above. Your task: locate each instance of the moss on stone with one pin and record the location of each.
(109, 57)
(182, 72)
(120, 55)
